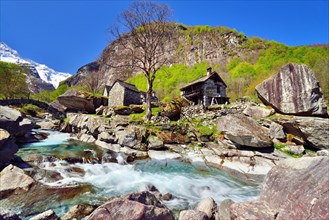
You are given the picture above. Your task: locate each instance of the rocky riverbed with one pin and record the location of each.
(209, 164)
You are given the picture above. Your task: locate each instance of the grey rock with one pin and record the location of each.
(323, 153)
(223, 210)
(87, 138)
(4, 135)
(208, 206)
(294, 149)
(126, 138)
(47, 215)
(142, 205)
(155, 143)
(192, 215)
(55, 104)
(12, 121)
(106, 137)
(276, 131)
(294, 189)
(80, 101)
(244, 131)
(14, 180)
(78, 212)
(258, 112)
(293, 90)
(315, 130)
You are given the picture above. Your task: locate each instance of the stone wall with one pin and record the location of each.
(116, 96)
(132, 97)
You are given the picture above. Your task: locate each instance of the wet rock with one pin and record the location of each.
(143, 205)
(248, 169)
(47, 215)
(8, 215)
(167, 197)
(155, 143)
(13, 180)
(293, 90)
(258, 112)
(192, 215)
(163, 155)
(244, 131)
(79, 212)
(294, 189)
(208, 206)
(223, 210)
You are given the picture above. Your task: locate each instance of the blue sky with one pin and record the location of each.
(66, 35)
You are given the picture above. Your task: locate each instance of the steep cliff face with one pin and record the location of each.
(188, 46)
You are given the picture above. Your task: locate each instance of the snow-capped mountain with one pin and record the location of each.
(45, 73)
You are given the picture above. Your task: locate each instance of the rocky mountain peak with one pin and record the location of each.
(40, 77)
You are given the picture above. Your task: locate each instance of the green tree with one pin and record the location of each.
(13, 81)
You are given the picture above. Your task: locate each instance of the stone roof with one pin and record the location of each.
(202, 79)
(126, 85)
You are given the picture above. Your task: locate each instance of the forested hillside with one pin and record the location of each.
(242, 74)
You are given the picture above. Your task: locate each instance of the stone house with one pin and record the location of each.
(122, 93)
(208, 90)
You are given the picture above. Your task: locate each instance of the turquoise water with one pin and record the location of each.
(187, 184)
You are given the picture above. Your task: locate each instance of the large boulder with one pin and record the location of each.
(14, 180)
(12, 121)
(313, 130)
(47, 215)
(81, 101)
(258, 112)
(208, 206)
(142, 205)
(192, 215)
(244, 131)
(294, 189)
(293, 90)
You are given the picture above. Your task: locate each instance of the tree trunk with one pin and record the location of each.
(148, 100)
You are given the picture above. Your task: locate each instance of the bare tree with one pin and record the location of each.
(141, 31)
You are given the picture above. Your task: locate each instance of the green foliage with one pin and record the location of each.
(31, 110)
(140, 117)
(50, 96)
(245, 76)
(13, 81)
(169, 80)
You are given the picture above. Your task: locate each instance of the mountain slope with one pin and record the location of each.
(242, 61)
(190, 45)
(40, 77)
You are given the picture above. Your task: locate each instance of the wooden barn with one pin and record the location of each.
(122, 93)
(208, 90)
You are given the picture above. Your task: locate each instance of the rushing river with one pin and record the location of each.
(186, 183)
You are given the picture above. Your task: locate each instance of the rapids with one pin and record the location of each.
(185, 182)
